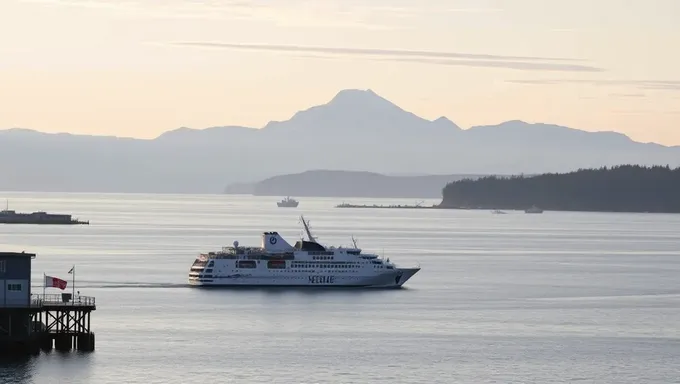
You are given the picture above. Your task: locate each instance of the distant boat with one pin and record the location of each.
(497, 212)
(8, 216)
(533, 209)
(288, 202)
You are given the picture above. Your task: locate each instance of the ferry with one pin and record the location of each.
(306, 264)
(8, 216)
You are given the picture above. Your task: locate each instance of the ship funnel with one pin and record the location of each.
(273, 242)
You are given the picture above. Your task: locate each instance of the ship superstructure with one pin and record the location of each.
(307, 263)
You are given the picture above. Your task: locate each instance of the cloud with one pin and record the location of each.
(663, 85)
(627, 95)
(348, 14)
(644, 112)
(425, 57)
(518, 65)
(289, 14)
(363, 51)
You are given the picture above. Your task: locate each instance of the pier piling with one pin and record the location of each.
(66, 321)
(50, 322)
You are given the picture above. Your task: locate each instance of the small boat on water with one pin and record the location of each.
(498, 212)
(533, 209)
(288, 202)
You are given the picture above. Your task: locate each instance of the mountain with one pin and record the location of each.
(357, 130)
(327, 183)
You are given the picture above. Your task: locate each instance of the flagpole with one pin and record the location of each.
(74, 283)
(44, 278)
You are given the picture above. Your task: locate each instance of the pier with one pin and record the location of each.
(64, 322)
(30, 323)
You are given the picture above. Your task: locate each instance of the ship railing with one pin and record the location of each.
(63, 299)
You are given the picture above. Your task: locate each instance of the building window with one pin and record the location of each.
(2, 266)
(14, 287)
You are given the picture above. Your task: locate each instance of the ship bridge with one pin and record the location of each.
(309, 246)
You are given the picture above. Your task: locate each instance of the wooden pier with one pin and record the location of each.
(65, 321)
(57, 321)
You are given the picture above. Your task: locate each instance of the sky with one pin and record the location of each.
(137, 68)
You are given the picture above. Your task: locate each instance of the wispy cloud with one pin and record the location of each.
(645, 112)
(289, 13)
(518, 65)
(526, 63)
(627, 95)
(664, 85)
(364, 51)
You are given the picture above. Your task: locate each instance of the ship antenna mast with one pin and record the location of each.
(306, 225)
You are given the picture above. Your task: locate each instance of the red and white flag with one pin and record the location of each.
(55, 282)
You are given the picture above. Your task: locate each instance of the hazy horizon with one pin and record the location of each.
(140, 68)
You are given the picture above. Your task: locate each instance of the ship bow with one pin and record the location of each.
(404, 274)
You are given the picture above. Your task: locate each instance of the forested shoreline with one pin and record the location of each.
(624, 188)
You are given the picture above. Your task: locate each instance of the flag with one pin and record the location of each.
(55, 282)
(71, 270)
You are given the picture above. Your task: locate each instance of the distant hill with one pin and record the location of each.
(626, 188)
(356, 130)
(325, 183)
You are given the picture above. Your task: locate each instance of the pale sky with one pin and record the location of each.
(141, 67)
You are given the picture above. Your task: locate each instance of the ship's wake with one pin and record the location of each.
(119, 284)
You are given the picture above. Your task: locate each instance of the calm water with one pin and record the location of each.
(516, 298)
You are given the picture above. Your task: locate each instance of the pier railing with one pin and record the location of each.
(64, 299)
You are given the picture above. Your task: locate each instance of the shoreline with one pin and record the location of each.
(376, 206)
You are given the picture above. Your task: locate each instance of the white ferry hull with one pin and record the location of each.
(275, 263)
(392, 279)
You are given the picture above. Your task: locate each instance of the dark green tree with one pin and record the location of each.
(624, 188)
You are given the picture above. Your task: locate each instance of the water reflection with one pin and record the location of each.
(63, 367)
(17, 370)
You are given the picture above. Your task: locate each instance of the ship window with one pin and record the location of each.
(2, 266)
(14, 287)
(276, 264)
(246, 264)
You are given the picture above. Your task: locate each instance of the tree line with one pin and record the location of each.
(623, 188)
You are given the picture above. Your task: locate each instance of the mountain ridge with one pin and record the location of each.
(356, 130)
(343, 97)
